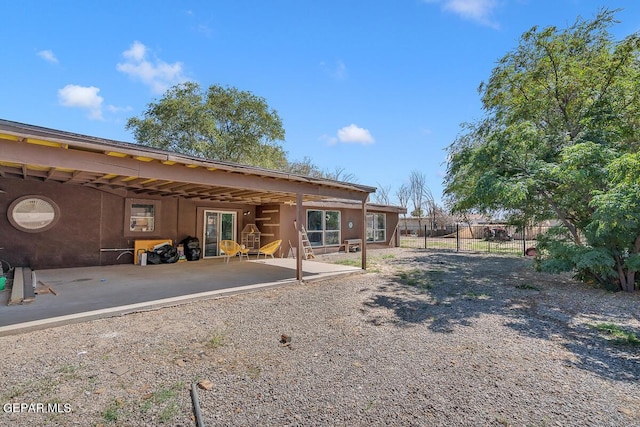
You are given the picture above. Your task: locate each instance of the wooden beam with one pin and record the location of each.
(299, 249)
(363, 248)
(99, 163)
(76, 177)
(51, 173)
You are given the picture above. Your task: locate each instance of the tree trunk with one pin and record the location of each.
(571, 227)
(631, 274)
(627, 278)
(631, 281)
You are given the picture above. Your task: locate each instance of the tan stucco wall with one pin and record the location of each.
(91, 220)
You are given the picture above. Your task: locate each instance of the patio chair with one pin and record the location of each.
(231, 248)
(269, 248)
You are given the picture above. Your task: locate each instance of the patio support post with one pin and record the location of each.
(364, 233)
(299, 249)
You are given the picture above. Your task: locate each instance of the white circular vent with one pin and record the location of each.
(33, 214)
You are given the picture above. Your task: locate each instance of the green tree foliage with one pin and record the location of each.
(221, 123)
(303, 167)
(559, 141)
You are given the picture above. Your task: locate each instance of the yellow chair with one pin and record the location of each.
(269, 248)
(231, 248)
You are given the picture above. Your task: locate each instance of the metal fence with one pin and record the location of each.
(476, 238)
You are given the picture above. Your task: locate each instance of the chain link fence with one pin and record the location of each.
(500, 239)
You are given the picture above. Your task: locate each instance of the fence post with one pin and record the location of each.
(457, 237)
(425, 236)
(524, 241)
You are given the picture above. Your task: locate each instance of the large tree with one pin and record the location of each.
(221, 123)
(421, 196)
(559, 140)
(404, 194)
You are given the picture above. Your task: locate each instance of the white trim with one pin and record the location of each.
(218, 231)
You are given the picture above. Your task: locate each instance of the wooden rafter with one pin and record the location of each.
(115, 166)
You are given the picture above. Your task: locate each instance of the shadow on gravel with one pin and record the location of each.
(448, 290)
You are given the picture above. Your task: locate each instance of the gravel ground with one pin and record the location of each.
(424, 339)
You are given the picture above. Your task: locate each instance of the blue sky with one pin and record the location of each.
(376, 87)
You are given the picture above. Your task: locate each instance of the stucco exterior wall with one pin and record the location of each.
(92, 224)
(64, 244)
(91, 220)
(288, 230)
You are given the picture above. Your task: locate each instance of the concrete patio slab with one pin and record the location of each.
(94, 292)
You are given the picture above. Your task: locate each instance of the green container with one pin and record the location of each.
(3, 280)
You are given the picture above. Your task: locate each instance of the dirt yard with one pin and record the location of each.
(422, 339)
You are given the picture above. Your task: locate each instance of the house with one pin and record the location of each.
(75, 200)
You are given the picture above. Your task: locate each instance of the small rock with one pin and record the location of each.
(120, 371)
(205, 384)
(626, 411)
(284, 339)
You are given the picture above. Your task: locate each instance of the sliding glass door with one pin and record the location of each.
(218, 225)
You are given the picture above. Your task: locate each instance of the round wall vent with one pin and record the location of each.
(33, 214)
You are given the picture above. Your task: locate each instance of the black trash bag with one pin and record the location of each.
(193, 254)
(192, 249)
(191, 243)
(168, 254)
(153, 258)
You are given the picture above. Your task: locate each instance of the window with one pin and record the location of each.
(33, 214)
(141, 217)
(376, 227)
(323, 227)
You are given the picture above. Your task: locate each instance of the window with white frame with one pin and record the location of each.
(376, 227)
(323, 227)
(141, 217)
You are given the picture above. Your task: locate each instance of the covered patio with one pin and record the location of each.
(94, 190)
(87, 293)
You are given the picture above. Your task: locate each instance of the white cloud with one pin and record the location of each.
(48, 56)
(156, 74)
(337, 71)
(351, 134)
(136, 53)
(475, 10)
(83, 97)
(204, 29)
(115, 109)
(330, 140)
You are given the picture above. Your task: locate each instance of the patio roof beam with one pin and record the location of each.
(96, 163)
(51, 174)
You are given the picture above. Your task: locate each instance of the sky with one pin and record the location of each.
(375, 88)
